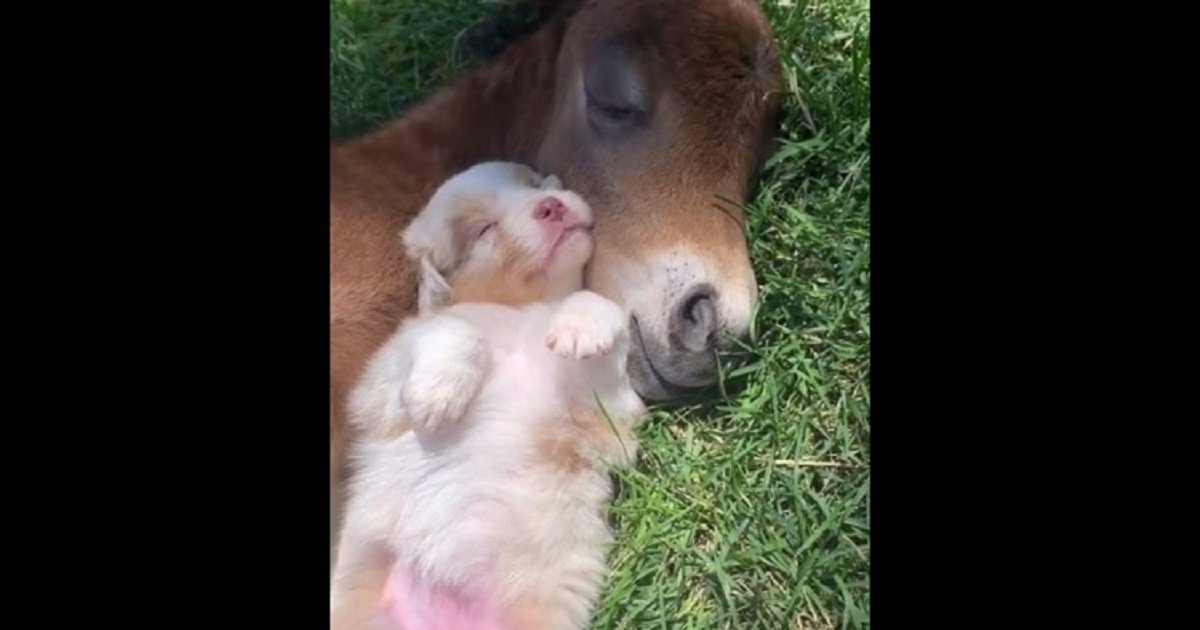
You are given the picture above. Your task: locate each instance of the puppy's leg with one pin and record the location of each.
(587, 325)
(450, 361)
(424, 377)
(358, 582)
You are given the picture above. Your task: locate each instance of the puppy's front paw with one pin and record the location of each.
(445, 378)
(578, 337)
(432, 400)
(587, 325)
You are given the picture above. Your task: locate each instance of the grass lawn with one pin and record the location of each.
(749, 511)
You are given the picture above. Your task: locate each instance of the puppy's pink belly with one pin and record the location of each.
(412, 605)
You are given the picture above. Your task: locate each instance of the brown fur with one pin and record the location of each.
(528, 615)
(714, 69)
(514, 281)
(483, 288)
(496, 287)
(572, 448)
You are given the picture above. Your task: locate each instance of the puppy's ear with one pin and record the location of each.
(433, 292)
(430, 237)
(551, 182)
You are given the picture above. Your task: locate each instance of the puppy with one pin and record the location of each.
(487, 422)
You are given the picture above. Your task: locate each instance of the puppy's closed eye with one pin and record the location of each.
(468, 230)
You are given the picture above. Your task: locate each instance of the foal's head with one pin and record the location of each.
(663, 108)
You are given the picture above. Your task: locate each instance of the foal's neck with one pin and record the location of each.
(497, 112)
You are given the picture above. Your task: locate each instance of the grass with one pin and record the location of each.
(749, 511)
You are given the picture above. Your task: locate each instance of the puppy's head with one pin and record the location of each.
(499, 232)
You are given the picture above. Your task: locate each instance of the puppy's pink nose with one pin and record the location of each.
(550, 209)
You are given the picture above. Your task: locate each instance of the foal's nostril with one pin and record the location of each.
(694, 323)
(698, 309)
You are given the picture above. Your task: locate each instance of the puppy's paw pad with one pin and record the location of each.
(579, 337)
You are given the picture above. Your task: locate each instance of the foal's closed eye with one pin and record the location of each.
(485, 230)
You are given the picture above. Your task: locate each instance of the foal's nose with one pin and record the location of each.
(550, 209)
(693, 324)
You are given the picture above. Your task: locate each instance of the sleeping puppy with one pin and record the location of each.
(487, 422)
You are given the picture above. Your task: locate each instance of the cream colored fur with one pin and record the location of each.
(482, 458)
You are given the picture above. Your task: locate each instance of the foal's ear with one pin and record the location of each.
(433, 292)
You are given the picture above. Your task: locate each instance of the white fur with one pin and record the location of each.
(426, 377)
(468, 498)
(499, 184)
(434, 292)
